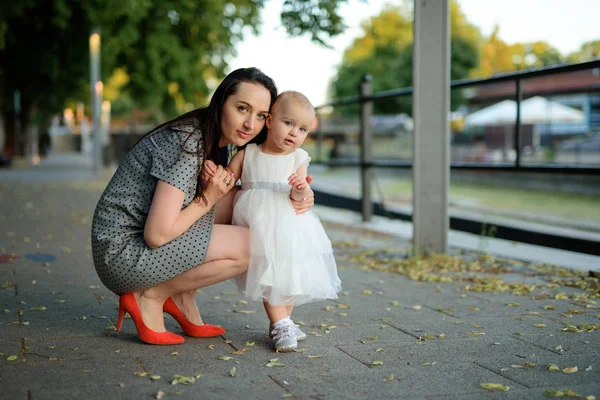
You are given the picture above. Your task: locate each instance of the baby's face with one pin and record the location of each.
(289, 123)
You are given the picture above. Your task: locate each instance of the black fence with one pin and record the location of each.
(508, 232)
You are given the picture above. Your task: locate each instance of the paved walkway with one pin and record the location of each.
(402, 328)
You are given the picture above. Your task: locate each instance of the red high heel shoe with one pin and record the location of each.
(190, 329)
(128, 302)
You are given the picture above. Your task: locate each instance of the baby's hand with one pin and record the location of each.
(210, 170)
(298, 182)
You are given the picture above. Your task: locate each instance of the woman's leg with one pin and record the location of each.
(227, 256)
(186, 301)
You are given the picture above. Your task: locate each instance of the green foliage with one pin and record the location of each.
(162, 55)
(318, 18)
(386, 54)
(587, 52)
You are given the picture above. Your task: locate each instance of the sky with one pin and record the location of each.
(295, 63)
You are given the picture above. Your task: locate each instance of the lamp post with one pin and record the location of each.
(96, 89)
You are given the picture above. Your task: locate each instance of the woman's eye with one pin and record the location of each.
(242, 109)
(262, 117)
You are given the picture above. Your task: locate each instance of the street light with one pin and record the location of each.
(96, 89)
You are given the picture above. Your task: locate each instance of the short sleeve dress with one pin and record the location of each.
(122, 258)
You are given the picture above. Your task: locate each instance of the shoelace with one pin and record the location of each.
(281, 332)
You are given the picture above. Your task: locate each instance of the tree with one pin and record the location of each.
(385, 52)
(587, 52)
(163, 55)
(498, 56)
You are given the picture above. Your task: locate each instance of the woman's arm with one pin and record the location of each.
(167, 221)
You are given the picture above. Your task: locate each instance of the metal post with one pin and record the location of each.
(96, 99)
(431, 104)
(366, 169)
(518, 96)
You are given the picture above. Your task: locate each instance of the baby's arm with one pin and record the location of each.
(234, 167)
(236, 164)
(300, 187)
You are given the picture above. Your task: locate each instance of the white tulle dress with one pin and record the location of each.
(291, 258)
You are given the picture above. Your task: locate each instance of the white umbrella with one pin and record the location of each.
(533, 110)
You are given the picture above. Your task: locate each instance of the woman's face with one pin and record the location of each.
(244, 114)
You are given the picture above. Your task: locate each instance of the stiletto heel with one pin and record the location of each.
(121, 316)
(190, 329)
(128, 302)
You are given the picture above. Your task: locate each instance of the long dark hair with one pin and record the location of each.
(208, 119)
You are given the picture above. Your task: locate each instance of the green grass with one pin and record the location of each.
(492, 199)
(538, 202)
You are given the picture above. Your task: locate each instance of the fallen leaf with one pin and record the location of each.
(319, 356)
(225, 358)
(232, 372)
(249, 344)
(11, 358)
(184, 380)
(389, 378)
(42, 308)
(553, 367)
(570, 370)
(274, 364)
(211, 346)
(494, 387)
(377, 363)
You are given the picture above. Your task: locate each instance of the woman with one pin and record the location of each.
(160, 231)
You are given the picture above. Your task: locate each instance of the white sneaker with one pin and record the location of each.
(283, 337)
(298, 334)
(296, 331)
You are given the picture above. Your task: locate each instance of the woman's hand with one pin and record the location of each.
(219, 184)
(304, 205)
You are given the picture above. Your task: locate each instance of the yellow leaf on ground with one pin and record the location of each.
(494, 387)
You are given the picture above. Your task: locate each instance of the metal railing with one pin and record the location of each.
(367, 163)
(368, 97)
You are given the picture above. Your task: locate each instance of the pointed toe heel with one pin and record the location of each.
(128, 302)
(190, 329)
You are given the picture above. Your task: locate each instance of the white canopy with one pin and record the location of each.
(533, 110)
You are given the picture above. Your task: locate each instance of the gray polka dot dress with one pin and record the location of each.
(123, 260)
